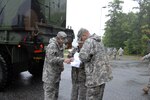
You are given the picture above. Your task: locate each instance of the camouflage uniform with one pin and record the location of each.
(53, 66)
(78, 80)
(120, 52)
(109, 53)
(97, 67)
(114, 53)
(147, 57)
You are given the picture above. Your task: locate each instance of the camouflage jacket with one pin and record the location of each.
(146, 57)
(53, 63)
(97, 67)
(114, 51)
(120, 51)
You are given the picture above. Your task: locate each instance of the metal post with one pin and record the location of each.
(101, 17)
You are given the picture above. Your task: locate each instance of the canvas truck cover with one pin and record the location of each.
(17, 14)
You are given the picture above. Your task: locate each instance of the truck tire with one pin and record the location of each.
(36, 68)
(3, 73)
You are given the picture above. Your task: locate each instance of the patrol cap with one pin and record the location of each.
(61, 34)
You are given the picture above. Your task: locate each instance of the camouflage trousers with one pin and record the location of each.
(149, 68)
(149, 74)
(78, 92)
(114, 57)
(78, 84)
(149, 83)
(120, 57)
(51, 91)
(95, 93)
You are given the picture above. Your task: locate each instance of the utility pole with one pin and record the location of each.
(101, 17)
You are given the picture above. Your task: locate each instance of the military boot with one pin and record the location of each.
(146, 89)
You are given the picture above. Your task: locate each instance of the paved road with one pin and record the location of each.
(129, 79)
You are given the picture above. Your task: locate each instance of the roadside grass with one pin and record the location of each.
(132, 57)
(124, 57)
(66, 52)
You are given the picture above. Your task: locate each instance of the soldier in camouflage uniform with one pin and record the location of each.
(53, 66)
(78, 78)
(120, 52)
(78, 74)
(114, 53)
(97, 67)
(146, 88)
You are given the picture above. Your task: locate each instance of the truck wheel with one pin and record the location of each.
(36, 68)
(3, 73)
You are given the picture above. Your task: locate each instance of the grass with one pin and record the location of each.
(66, 52)
(125, 57)
(131, 57)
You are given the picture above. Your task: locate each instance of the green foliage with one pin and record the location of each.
(130, 31)
(144, 43)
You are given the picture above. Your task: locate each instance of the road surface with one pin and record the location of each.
(129, 78)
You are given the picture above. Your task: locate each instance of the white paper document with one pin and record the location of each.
(76, 62)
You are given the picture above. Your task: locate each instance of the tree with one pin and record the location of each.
(128, 30)
(115, 34)
(140, 34)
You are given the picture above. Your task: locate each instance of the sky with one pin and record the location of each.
(90, 14)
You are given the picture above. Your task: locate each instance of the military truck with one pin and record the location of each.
(25, 29)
